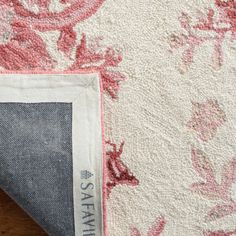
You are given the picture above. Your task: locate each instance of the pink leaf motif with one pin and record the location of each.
(154, 230)
(220, 233)
(102, 60)
(206, 119)
(208, 190)
(221, 211)
(25, 50)
(202, 165)
(211, 188)
(229, 175)
(157, 228)
(66, 41)
(117, 171)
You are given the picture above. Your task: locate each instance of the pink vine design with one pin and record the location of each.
(154, 230)
(211, 189)
(215, 25)
(117, 172)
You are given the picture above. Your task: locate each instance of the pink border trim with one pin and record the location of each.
(84, 71)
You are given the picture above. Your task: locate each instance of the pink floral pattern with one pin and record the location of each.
(211, 27)
(211, 189)
(117, 172)
(154, 230)
(21, 48)
(206, 119)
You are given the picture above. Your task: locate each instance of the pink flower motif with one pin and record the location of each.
(101, 59)
(211, 27)
(206, 119)
(67, 40)
(117, 171)
(154, 230)
(211, 189)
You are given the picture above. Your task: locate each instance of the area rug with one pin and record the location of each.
(168, 76)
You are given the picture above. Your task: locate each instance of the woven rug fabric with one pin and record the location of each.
(170, 131)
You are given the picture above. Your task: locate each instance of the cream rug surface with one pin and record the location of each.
(171, 146)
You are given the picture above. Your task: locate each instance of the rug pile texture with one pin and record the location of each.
(168, 71)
